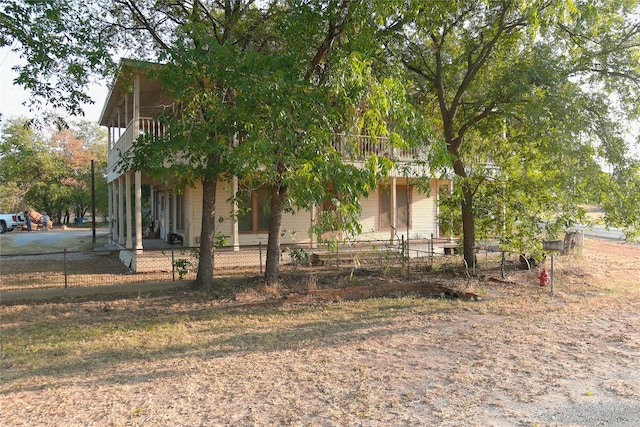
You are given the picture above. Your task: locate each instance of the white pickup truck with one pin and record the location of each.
(10, 221)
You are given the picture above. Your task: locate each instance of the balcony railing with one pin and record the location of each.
(357, 146)
(145, 125)
(364, 145)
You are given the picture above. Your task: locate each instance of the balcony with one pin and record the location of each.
(357, 146)
(144, 125)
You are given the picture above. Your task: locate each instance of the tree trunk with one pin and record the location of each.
(272, 270)
(468, 225)
(468, 218)
(204, 279)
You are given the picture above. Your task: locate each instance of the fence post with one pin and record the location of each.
(66, 276)
(260, 248)
(408, 255)
(402, 251)
(173, 265)
(431, 250)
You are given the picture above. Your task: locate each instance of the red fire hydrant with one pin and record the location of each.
(544, 277)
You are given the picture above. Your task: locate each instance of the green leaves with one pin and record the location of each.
(621, 199)
(51, 172)
(520, 93)
(61, 48)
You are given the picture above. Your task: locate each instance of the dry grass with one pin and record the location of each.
(185, 359)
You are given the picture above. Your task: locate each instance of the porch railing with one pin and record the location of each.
(356, 145)
(364, 145)
(145, 125)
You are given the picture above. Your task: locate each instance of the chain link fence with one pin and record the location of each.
(116, 267)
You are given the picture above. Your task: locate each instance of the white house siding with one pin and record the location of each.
(223, 209)
(422, 217)
(295, 226)
(422, 210)
(436, 187)
(370, 218)
(195, 216)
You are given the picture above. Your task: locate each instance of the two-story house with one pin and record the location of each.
(395, 209)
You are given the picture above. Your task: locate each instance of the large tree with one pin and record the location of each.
(206, 51)
(76, 148)
(306, 90)
(482, 66)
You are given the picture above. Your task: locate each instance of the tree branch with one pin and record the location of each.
(139, 17)
(333, 32)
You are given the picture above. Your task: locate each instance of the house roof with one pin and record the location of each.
(152, 97)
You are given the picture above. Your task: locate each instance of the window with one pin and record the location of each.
(254, 211)
(403, 208)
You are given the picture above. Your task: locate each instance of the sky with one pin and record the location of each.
(13, 98)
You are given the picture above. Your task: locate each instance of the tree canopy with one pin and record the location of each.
(527, 98)
(50, 170)
(519, 93)
(284, 82)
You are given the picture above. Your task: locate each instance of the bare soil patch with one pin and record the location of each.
(518, 357)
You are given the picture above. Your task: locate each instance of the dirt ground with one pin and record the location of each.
(517, 357)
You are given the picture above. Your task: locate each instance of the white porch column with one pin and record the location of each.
(137, 174)
(114, 236)
(174, 211)
(119, 122)
(167, 223)
(109, 139)
(120, 212)
(136, 105)
(160, 219)
(234, 217)
(152, 197)
(127, 190)
(138, 201)
(393, 221)
(126, 110)
(110, 209)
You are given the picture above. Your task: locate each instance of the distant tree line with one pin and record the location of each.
(49, 169)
